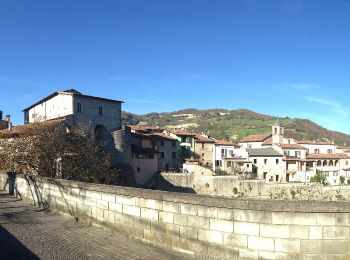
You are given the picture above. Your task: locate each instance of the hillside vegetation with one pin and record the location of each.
(236, 124)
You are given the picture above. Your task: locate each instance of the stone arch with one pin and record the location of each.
(100, 133)
(330, 163)
(319, 163)
(275, 130)
(324, 163)
(336, 163)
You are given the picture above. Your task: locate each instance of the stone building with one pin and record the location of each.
(4, 124)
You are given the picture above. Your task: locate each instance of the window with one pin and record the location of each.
(298, 154)
(174, 143)
(162, 143)
(79, 107)
(218, 163)
(138, 169)
(277, 161)
(161, 155)
(255, 161)
(346, 162)
(223, 153)
(100, 111)
(151, 156)
(317, 150)
(228, 164)
(265, 161)
(329, 151)
(173, 155)
(203, 145)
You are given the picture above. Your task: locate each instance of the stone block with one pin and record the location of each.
(173, 230)
(342, 219)
(287, 245)
(166, 217)
(125, 200)
(253, 216)
(276, 231)
(208, 212)
(326, 219)
(210, 236)
(340, 247)
(171, 207)
(302, 219)
(149, 203)
(267, 255)
(102, 204)
(226, 214)
(188, 232)
(301, 232)
(116, 207)
(90, 202)
(198, 222)
(109, 215)
(235, 240)
(221, 225)
(246, 228)
(188, 209)
(108, 197)
(132, 210)
(180, 219)
(73, 191)
(316, 233)
(149, 214)
(261, 243)
(97, 195)
(335, 232)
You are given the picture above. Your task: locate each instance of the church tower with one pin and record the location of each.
(277, 132)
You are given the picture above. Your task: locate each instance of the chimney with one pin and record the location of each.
(0, 115)
(10, 126)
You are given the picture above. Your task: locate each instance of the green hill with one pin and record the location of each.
(236, 124)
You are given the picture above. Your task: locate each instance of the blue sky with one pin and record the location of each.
(280, 57)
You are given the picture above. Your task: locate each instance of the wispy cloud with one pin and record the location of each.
(302, 86)
(332, 105)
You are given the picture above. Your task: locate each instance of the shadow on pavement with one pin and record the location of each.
(11, 248)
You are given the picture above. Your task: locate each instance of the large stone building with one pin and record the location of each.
(4, 124)
(100, 115)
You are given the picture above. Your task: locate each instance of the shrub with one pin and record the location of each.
(342, 180)
(319, 177)
(219, 171)
(348, 181)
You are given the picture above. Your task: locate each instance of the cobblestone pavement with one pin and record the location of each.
(27, 232)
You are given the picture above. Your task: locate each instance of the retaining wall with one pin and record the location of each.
(204, 226)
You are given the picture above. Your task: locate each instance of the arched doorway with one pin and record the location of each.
(100, 133)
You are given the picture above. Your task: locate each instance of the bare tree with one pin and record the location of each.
(49, 149)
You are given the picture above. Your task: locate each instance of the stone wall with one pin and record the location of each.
(203, 226)
(231, 186)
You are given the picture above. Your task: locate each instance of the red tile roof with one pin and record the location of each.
(145, 128)
(292, 146)
(225, 142)
(181, 133)
(29, 129)
(203, 139)
(163, 136)
(315, 142)
(327, 156)
(255, 138)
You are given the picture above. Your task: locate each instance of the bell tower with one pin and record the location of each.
(277, 132)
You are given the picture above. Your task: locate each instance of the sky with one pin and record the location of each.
(278, 57)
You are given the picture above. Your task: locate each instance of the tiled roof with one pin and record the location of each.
(327, 156)
(292, 146)
(71, 92)
(255, 138)
(261, 152)
(28, 129)
(315, 142)
(181, 133)
(163, 136)
(203, 139)
(268, 141)
(225, 142)
(145, 128)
